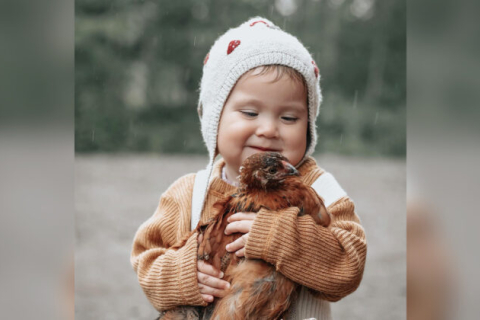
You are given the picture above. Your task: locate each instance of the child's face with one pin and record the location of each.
(260, 115)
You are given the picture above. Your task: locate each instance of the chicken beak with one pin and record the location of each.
(290, 170)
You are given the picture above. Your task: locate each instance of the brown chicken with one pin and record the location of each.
(257, 291)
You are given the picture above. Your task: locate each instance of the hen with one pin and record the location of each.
(257, 291)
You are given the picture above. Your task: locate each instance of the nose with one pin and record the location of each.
(268, 129)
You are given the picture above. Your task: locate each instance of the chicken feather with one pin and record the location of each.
(257, 290)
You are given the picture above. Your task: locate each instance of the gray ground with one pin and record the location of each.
(115, 194)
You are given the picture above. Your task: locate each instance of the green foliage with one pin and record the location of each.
(349, 127)
(139, 63)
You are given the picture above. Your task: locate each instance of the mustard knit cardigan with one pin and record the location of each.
(329, 261)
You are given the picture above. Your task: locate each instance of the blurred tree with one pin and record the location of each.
(139, 63)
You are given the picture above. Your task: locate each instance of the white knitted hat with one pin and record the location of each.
(254, 43)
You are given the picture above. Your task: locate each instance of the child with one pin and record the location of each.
(259, 92)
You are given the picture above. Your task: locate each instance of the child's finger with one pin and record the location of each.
(240, 253)
(207, 297)
(237, 244)
(207, 268)
(219, 293)
(200, 238)
(242, 216)
(213, 282)
(242, 226)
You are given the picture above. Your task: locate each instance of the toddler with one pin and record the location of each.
(259, 92)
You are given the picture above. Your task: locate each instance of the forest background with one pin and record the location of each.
(138, 66)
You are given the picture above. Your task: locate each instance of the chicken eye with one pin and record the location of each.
(272, 170)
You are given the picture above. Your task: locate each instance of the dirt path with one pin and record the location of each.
(115, 194)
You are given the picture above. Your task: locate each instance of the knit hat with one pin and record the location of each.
(254, 43)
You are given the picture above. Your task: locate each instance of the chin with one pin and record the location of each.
(249, 151)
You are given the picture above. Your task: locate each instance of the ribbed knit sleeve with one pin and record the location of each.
(167, 276)
(329, 261)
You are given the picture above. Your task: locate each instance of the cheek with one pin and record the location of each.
(233, 133)
(224, 136)
(296, 143)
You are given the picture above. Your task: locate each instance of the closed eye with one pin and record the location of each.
(250, 114)
(290, 119)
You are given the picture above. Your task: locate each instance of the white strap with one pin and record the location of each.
(198, 196)
(328, 188)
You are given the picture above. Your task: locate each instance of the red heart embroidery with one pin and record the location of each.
(253, 23)
(315, 69)
(206, 58)
(232, 45)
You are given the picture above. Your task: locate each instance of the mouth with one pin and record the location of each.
(264, 149)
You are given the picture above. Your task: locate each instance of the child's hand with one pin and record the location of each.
(209, 280)
(239, 222)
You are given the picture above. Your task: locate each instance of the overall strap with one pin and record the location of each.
(327, 187)
(198, 197)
